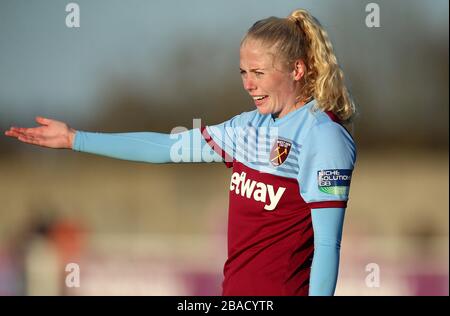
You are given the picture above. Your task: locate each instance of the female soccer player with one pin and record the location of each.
(292, 159)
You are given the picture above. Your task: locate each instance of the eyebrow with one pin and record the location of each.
(253, 69)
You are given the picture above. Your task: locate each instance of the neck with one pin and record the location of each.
(288, 109)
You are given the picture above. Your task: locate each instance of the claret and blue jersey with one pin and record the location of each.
(282, 168)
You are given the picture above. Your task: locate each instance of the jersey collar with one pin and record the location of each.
(278, 121)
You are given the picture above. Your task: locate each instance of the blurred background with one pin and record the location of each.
(141, 229)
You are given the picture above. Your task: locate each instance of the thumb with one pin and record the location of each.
(42, 120)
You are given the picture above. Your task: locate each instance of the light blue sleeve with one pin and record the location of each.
(222, 137)
(186, 146)
(327, 161)
(327, 225)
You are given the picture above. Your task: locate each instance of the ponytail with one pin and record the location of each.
(325, 79)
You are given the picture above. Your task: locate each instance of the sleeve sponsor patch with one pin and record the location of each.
(334, 181)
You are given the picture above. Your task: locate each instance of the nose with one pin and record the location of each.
(249, 84)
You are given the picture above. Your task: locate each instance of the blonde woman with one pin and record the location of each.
(291, 159)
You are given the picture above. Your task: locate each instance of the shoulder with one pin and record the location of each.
(325, 124)
(324, 131)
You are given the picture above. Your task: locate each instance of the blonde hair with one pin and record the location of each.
(301, 36)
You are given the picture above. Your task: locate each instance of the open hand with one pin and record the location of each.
(51, 133)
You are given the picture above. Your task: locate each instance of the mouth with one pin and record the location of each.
(259, 99)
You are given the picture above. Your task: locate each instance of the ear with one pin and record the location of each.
(299, 70)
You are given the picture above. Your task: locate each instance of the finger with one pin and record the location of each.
(28, 139)
(18, 129)
(42, 120)
(26, 131)
(13, 133)
(19, 132)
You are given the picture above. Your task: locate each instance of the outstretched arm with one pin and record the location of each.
(188, 146)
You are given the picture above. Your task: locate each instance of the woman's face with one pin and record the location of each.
(272, 88)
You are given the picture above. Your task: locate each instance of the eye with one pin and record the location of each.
(259, 73)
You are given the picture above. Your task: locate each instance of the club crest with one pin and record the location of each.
(279, 152)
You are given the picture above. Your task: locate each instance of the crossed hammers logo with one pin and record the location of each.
(279, 152)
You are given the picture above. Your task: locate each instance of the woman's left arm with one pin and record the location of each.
(327, 160)
(327, 225)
